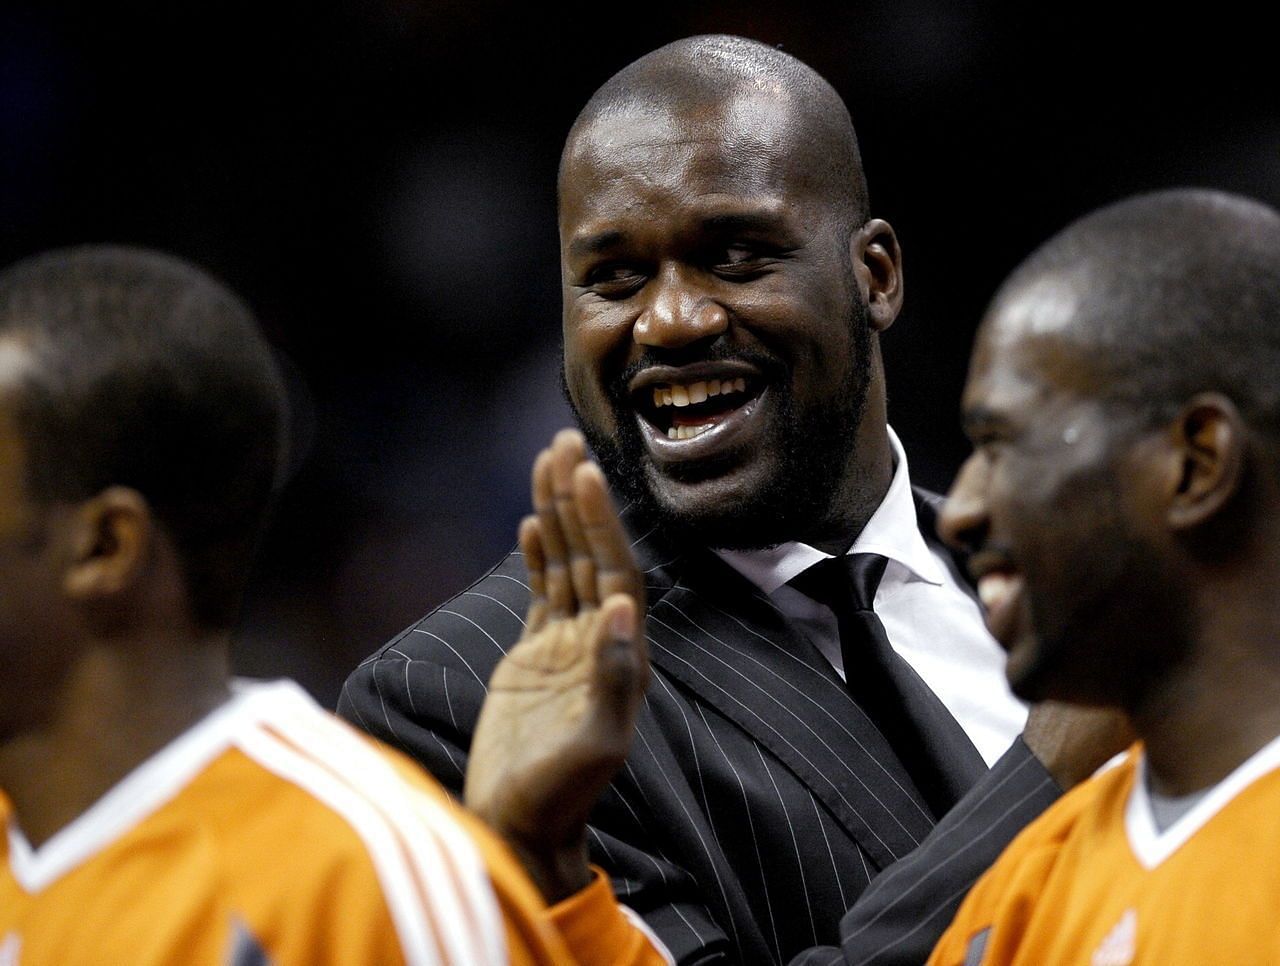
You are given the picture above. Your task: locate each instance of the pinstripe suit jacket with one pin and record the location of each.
(758, 802)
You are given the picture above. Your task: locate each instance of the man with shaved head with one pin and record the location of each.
(824, 688)
(1122, 505)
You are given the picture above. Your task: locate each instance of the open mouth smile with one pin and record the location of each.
(1000, 588)
(693, 411)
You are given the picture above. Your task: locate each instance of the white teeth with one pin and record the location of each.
(687, 432)
(661, 396)
(696, 392)
(994, 588)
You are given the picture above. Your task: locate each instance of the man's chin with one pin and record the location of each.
(1048, 673)
(1026, 671)
(746, 508)
(757, 493)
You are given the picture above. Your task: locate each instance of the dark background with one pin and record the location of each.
(376, 178)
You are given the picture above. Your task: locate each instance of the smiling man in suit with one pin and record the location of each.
(824, 688)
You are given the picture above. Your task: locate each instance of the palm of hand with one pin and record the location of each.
(549, 737)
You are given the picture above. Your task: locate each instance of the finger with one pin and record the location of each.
(558, 583)
(615, 566)
(568, 452)
(530, 539)
(621, 671)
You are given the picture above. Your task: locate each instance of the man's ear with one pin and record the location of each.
(1210, 441)
(877, 266)
(111, 541)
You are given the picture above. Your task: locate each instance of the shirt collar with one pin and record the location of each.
(893, 531)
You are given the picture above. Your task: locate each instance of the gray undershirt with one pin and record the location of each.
(1165, 809)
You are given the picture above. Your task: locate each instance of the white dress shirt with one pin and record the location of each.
(930, 620)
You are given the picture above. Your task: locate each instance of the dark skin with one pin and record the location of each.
(688, 229)
(671, 243)
(105, 665)
(560, 713)
(1174, 486)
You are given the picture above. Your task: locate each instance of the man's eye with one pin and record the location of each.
(737, 254)
(616, 280)
(736, 260)
(740, 261)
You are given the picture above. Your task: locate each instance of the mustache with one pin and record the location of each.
(770, 367)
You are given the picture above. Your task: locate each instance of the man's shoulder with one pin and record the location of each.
(349, 823)
(477, 625)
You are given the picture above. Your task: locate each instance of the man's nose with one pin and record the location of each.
(679, 311)
(963, 520)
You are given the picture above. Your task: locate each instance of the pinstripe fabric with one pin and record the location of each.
(758, 801)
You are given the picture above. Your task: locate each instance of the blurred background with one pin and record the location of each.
(377, 179)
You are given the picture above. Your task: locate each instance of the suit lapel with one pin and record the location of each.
(719, 637)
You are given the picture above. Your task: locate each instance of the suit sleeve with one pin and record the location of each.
(908, 907)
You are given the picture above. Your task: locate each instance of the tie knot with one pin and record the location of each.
(839, 581)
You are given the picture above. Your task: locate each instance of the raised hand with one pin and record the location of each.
(560, 714)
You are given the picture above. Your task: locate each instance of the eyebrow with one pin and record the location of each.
(595, 244)
(730, 223)
(744, 222)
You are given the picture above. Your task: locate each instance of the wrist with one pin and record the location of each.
(558, 872)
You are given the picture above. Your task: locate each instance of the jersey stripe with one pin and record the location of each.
(378, 779)
(446, 864)
(416, 941)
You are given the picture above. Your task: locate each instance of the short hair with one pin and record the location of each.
(148, 373)
(1178, 292)
(711, 68)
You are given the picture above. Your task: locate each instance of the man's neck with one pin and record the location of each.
(1217, 710)
(112, 715)
(865, 485)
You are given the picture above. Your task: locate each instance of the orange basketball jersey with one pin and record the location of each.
(271, 832)
(1094, 882)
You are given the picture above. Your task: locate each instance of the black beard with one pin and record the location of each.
(814, 446)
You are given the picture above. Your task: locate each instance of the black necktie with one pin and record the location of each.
(919, 728)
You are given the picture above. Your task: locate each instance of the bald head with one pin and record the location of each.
(735, 78)
(1166, 295)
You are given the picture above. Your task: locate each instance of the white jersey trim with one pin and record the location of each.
(1151, 846)
(410, 839)
(388, 814)
(131, 800)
